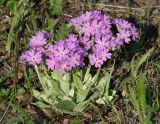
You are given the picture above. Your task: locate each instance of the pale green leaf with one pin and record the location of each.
(66, 105)
(42, 105)
(41, 96)
(64, 84)
(82, 94)
(77, 82)
(80, 107)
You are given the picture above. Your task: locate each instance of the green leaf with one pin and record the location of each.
(56, 6)
(134, 99)
(80, 107)
(42, 97)
(33, 20)
(104, 83)
(75, 122)
(94, 79)
(150, 109)
(26, 117)
(63, 81)
(51, 86)
(2, 2)
(147, 120)
(11, 4)
(77, 82)
(66, 105)
(134, 70)
(82, 94)
(62, 32)
(15, 120)
(3, 36)
(51, 24)
(87, 73)
(42, 105)
(141, 91)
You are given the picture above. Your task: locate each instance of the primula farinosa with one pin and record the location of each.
(124, 35)
(65, 55)
(40, 39)
(97, 35)
(36, 48)
(32, 57)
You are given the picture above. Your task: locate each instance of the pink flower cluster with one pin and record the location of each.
(95, 39)
(99, 37)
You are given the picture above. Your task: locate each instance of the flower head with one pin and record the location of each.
(40, 39)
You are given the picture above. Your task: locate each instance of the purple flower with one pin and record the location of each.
(122, 24)
(63, 66)
(51, 62)
(113, 42)
(105, 54)
(76, 21)
(75, 59)
(33, 57)
(72, 37)
(87, 29)
(124, 35)
(52, 48)
(103, 42)
(40, 39)
(95, 39)
(39, 49)
(61, 53)
(95, 60)
(134, 33)
(96, 14)
(86, 42)
(86, 16)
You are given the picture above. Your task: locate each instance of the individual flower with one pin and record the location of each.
(87, 28)
(72, 37)
(74, 59)
(134, 33)
(103, 42)
(124, 36)
(63, 66)
(33, 58)
(105, 54)
(76, 21)
(95, 60)
(40, 39)
(122, 24)
(61, 53)
(85, 42)
(86, 16)
(51, 62)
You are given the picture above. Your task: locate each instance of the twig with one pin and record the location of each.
(124, 7)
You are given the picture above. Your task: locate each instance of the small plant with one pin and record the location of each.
(69, 83)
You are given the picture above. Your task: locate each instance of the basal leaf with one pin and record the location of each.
(80, 107)
(77, 82)
(64, 84)
(66, 105)
(41, 96)
(42, 105)
(81, 95)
